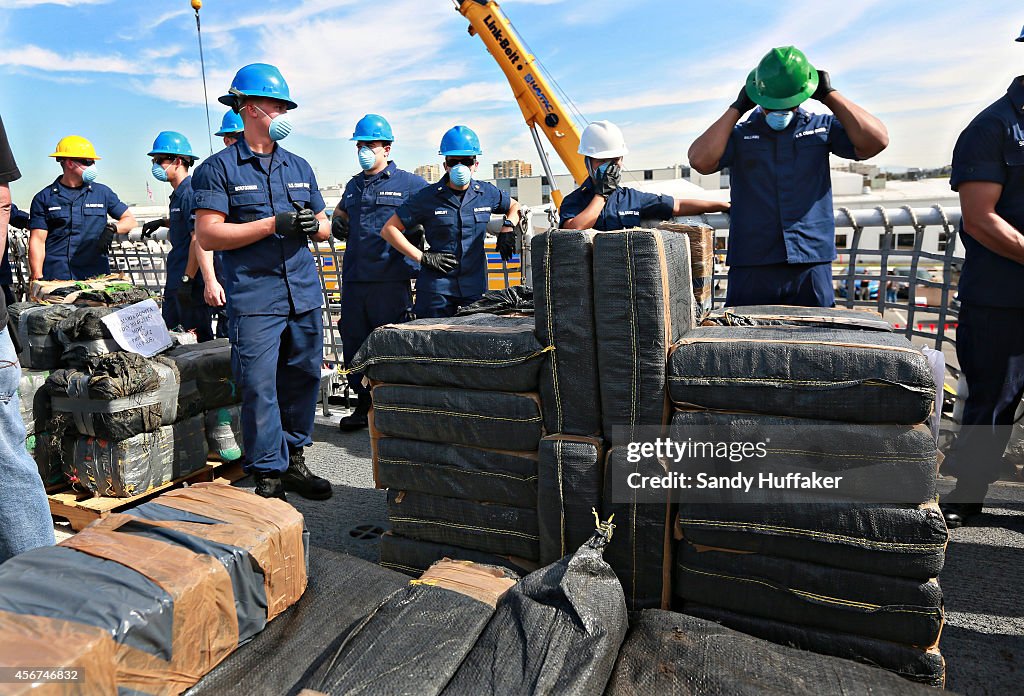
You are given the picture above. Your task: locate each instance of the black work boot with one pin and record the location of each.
(357, 420)
(269, 485)
(300, 479)
(962, 503)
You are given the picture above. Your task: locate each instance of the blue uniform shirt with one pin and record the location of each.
(183, 222)
(276, 275)
(625, 208)
(369, 201)
(782, 190)
(455, 224)
(74, 219)
(991, 149)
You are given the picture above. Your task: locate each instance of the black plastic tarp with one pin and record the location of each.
(499, 529)
(557, 631)
(456, 471)
(488, 419)
(479, 351)
(568, 490)
(515, 299)
(643, 302)
(875, 606)
(924, 666)
(413, 556)
(833, 374)
(563, 286)
(783, 315)
(35, 324)
(669, 654)
(214, 378)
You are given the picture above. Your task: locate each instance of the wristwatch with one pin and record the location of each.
(186, 279)
(505, 222)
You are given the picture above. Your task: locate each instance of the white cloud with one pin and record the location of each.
(30, 56)
(21, 4)
(165, 17)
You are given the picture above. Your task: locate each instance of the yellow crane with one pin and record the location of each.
(540, 106)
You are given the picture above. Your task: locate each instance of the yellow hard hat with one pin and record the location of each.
(75, 147)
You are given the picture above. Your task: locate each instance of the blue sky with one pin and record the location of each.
(119, 71)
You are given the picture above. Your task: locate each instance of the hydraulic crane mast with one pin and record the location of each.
(540, 107)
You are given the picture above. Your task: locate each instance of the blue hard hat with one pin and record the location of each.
(172, 143)
(460, 141)
(258, 80)
(373, 127)
(231, 124)
(1021, 37)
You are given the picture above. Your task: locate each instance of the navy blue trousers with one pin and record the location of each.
(276, 361)
(431, 304)
(798, 284)
(198, 317)
(365, 307)
(990, 348)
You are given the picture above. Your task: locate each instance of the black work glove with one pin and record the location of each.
(19, 221)
(184, 294)
(153, 225)
(301, 223)
(442, 263)
(107, 236)
(609, 181)
(506, 245)
(743, 102)
(339, 228)
(825, 87)
(415, 236)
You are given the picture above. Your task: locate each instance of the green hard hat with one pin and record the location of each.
(783, 79)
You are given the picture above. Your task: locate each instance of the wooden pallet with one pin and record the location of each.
(82, 509)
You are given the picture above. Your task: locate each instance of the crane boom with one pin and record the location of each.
(540, 107)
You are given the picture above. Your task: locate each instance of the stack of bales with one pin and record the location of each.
(610, 304)
(455, 427)
(847, 570)
(211, 363)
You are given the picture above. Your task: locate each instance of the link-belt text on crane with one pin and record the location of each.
(515, 60)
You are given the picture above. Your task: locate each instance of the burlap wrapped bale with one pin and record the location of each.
(499, 529)
(563, 286)
(414, 556)
(69, 291)
(669, 654)
(806, 372)
(557, 631)
(641, 554)
(214, 376)
(487, 419)
(702, 261)
(784, 315)
(455, 471)
(923, 666)
(568, 491)
(643, 301)
(900, 610)
(35, 324)
(479, 351)
(882, 463)
(417, 636)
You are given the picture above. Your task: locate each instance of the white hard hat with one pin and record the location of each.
(602, 140)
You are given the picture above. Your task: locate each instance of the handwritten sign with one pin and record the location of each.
(139, 328)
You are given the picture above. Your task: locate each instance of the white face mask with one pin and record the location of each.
(280, 125)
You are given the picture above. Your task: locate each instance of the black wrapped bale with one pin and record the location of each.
(834, 374)
(907, 542)
(414, 556)
(114, 294)
(568, 491)
(923, 666)
(212, 361)
(480, 351)
(488, 527)
(85, 337)
(563, 286)
(643, 301)
(557, 631)
(486, 419)
(414, 641)
(30, 383)
(900, 610)
(126, 468)
(669, 654)
(454, 471)
(175, 597)
(642, 553)
(881, 463)
(783, 315)
(35, 324)
(702, 261)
